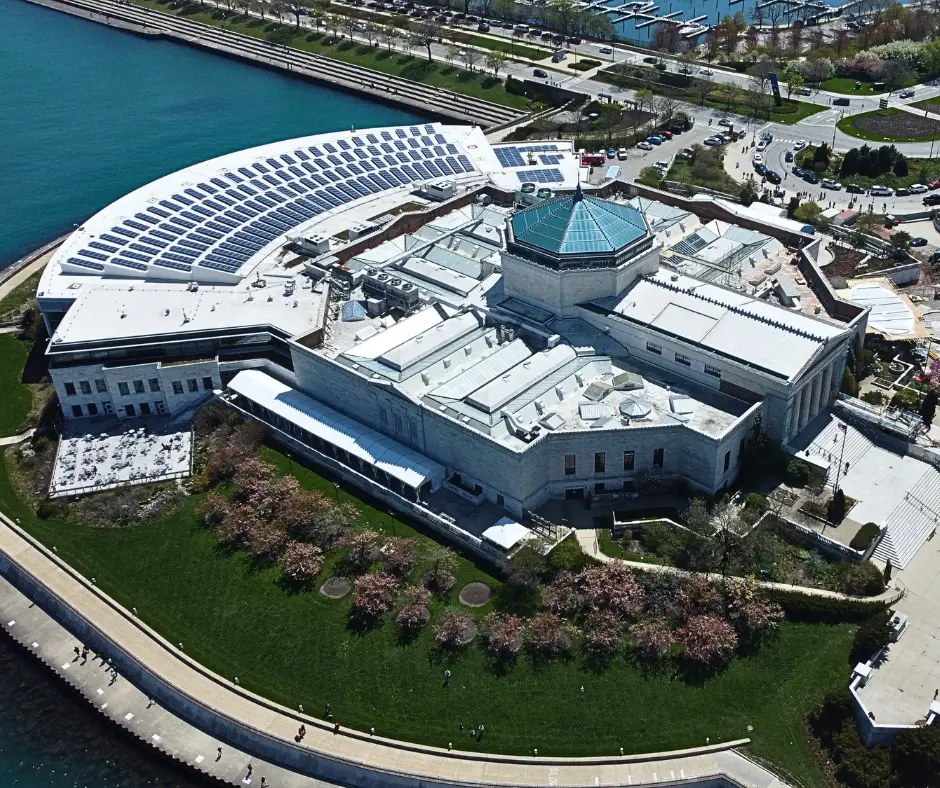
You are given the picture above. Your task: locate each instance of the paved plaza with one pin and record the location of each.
(101, 456)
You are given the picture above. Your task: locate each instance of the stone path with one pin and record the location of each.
(235, 714)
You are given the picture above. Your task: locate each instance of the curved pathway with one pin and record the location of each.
(267, 730)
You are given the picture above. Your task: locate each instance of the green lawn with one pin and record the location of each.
(235, 618)
(23, 293)
(890, 125)
(413, 67)
(15, 397)
(846, 85)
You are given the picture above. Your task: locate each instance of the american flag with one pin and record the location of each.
(843, 427)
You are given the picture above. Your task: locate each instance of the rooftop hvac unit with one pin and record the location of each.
(314, 246)
(528, 188)
(441, 190)
(545, 194)
(359, 230)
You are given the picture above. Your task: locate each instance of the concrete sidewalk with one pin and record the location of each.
(348, 756)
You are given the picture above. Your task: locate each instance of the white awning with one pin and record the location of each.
(506, 533)
(388, 455)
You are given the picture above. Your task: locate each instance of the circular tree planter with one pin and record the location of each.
(475, 594)
(336, 587)
(467, 634)
(439, 584)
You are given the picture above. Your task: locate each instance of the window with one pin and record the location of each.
(727, 460)
(684, 360)
(570, 464)
(123, 389)
(129, 410)
(85, 386)
(652, 347)
(70, 389)
(139, 387)
(500, 501)
(144, 408)
(628, 460)
(600, 462)
(154, 384)
(100, 386)
(207, 383)
(193, 385)
(161, 408)
(177, 386)
(77, 410)
(658, 456)
(713, 371)
(599, 487)
(92, 409)
(107, 407)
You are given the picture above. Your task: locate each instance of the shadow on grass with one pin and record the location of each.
(520, 600)
(360, 624)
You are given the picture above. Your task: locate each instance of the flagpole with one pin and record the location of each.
(844, 430)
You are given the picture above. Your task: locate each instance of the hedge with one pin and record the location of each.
(810, 608)
(865, 536)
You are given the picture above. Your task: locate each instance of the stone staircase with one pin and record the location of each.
(912, 522)
(826, 443)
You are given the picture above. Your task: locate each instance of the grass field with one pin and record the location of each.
(846, 85)
(23, 293)
(413, 67)
(890, 125)
(237, 619)
(15, 397)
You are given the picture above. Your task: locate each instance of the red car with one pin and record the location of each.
(933, 185)
(666, 135)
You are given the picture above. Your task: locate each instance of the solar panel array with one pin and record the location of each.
(537, 148)
(221, 223)
(510, 157)
(540, 176)
(551, 158)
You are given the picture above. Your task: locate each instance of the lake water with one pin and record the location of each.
(87, 114)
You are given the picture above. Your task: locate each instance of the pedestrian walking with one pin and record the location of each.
(250, 769)
(446, 675)
(218, 755)
(77, 652)
(336, 728)
(582, 690)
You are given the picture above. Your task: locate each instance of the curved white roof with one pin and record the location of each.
(213, 221)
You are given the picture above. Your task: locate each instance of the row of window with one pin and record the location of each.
(91, 409)
(681, 358)
(600, 461)
(124, 387)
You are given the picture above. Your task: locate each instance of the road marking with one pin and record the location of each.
(100, 691)
(199, 759)
(66, 666)
(11, 624)
(155, 737)
(104, 705)
(34, 644)
(129, 716)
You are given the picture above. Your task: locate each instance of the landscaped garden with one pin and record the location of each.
(703, 170)
(334, 43)
(869, 165)
(890, 125)
(233, 570)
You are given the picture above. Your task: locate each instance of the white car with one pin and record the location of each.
(713, 141)
(762, 145)
(622, 154)
(645, 146)
(828, 183)
(799, 145)
(663, 165)
(917, 188)
(881, 191)
(725, 122)
(606, 51)
(707, 72)
(758, 159)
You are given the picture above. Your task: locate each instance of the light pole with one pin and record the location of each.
(391, 517)
(289, 462)
(336, 485)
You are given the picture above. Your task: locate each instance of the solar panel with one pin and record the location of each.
(540, 176)
(181, 199)
(86, 263)
(114, 239)
(145, 218)
(207, 188)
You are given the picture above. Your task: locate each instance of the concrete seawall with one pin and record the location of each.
(203, 710)
(377, 85)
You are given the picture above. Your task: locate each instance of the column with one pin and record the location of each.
(827, 387)
(795, 414)
(817, 395)
(805, 403)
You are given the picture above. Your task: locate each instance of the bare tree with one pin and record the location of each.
(495, 60)
(469, 57)
(426, 33)
(666, 107)
(389, 35)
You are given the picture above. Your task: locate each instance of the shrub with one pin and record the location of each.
(399, 555)
(757, 502)
(214, 509)
(873, 397)
(865, 536)
(798, 473)
(569, 557)
(374, 594)
(860, 578)
(836, 508)
(872, 636)
(915, 755)
(504, 634)
(526, 567)
(653, 638)
(549, 635)
(810, 608)
(849, 384)
(752, 614)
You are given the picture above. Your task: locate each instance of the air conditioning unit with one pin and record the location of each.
(314, 245)
(441, 190)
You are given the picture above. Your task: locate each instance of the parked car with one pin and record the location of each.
(725, 122)
(606, 51)
(707, 72)
(840, 102)
(576, 41)
(810, 177)
(829, 183)
(687, 153)
(917, 188)
(854, 188)
(663, 165)
(773, 176)
(762, 145)
(541, 73)
(799, 145)
(907, 93)
(621, 153)
(645, 145)
(902, 192)
(758, 159)
(654, 139)
(799, 172)
(933, 185)
(712, 142)
(611, 153)
(918, 241)
(665, 134)
(483, 27)
(932, 199)
(881, 191)
(788, 156)
(759, 168)
(804, 92)
(650, 59)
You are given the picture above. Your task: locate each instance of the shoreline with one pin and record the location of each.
(340, 75)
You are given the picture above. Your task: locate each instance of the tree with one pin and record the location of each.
(603, 632)
(469, 58)
(361, 548)
(562, 14)
(729, 93)
(549, 635)
(389, 35)
(872, 636)
(414, 613)
(836, 509)
(868, 222)
(456, 629)
(928, 408)
(399, 555)
(302, 561)
(504, 9)
(371, 31)
(666, 107)
(612, 588)
(427, 33)
(440, 577)
(707, 639)
(504, 634)
(452, 51)
(611, 115)
(666, 38)
(900, 166)
(643, 99)
(894, 73)
(495, 60)
(795, 82)
(704, 88)
(296, 7)
(915, 756)
(849, 384)
(901, 240)
(598, 25)
(374, 594)
(526, 567)
(653, 638)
